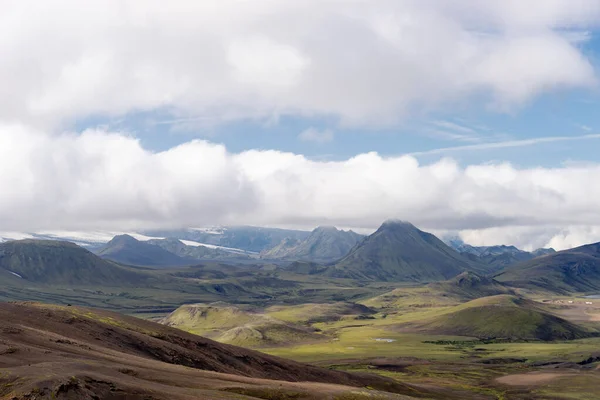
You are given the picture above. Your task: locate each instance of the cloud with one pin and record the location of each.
(508, 143)
(316, 135)
(100, 180)
(362, 62)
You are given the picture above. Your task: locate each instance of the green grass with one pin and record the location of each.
(228, 324)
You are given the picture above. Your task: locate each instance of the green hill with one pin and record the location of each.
(55, 262)
(312, 312)
(502, 316)
(128, 250)
(464, 287)
(228, 324)
(569, 271)
(398, 251)
(324, 244)
(469, 286)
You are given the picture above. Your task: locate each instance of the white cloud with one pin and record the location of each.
(316, 135)
(362, 61)
(506, 144)
(107, 181)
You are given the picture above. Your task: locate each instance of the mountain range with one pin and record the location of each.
(497, 257)
(324, 244)
(247, 238)
(573, 270)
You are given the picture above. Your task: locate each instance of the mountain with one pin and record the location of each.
(128, 250)
(324, 244)
(249, 238)
(398, 251)
(502, 316)
(543, 252)
(60, 352)
(55, 262)
(180, 249)
(568, 271)
(496, 257)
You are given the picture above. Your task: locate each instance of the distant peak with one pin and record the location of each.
(123, 239)
(325, 228)
(397, 223)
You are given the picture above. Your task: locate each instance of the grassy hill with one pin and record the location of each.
(228, 324)
(502, 316)
(324, 244)
(52, 352)
(398, 251)
(128, 250)
(569, 271)
(463, 287)
(469, 286)
(55, 262)
(313, 313)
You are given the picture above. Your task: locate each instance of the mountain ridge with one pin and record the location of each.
(398, 251)
(324, 244)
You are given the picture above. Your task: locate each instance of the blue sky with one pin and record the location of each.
(455, 133)
(474, 118)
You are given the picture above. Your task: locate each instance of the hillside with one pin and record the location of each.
(469, 286)
(568, 271)
(398, 251)
(128, 250)
(228, 324)
(248, 238)
(324, 244)
(200, 253)
(313, 313)
(464, 287)
(496, 257)
(54, 262)
(502, 316)
(80, 353)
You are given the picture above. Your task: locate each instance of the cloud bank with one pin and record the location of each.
(107, 180)
(363, 62)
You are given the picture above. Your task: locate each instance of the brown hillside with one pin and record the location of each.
(79, 353)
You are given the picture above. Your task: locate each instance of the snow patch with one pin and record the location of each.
(212, 246)
(15, 274)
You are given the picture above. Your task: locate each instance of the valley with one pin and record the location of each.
(401, 305)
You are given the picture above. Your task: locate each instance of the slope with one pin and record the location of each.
(128, 250)
(398, 251)
(502, 316)
(79, 353)
(324, 244)
(180, 249)
(568, 271)
(464, 287)
(469, 286)
(228, 324)
(496, 257)
(248, 238)
(311, 313)
(54, 262)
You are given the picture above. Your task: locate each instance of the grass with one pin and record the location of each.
(228, 324)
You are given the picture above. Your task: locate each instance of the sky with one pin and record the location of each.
(469, 118)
